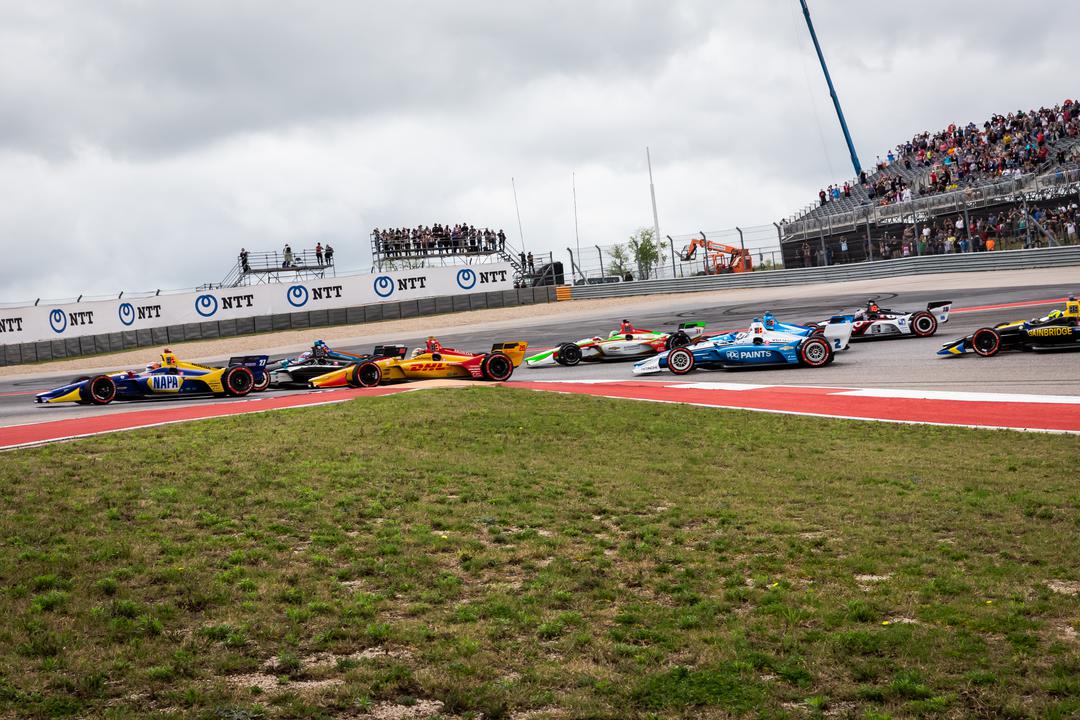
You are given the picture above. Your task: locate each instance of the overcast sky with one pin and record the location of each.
(143, 143)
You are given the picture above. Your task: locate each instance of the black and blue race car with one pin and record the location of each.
(171, 376)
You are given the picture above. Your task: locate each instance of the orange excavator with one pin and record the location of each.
(719, 258)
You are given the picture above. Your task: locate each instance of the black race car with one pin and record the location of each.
(321, 359)
(1059, 330)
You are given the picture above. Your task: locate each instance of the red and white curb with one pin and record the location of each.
(1011, 411)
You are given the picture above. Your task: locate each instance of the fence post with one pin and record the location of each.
(671, 244)
(601, 254)
(704, 255)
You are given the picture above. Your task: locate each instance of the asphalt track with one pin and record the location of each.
(907, 364)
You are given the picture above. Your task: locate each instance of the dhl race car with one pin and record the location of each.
(624, 343)
(320, 360)
(429, 362)
(756, 347)
(1058, 330)
(171, 376)
(872, 321)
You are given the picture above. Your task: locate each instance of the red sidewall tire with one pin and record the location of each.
(497, 367)
(366, 374)
(680, 361)
(991, 349)
(100, 390)
(259, 387)
(238, 381)
(815, 352)
(923, 324)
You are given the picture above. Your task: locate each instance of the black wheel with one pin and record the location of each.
(100, 390)
(923, 324)
(568, 354)
(497, 367)
(238, 381)
(677, 339)
(815, 352)
(986, 342)
(366, 374)
(680, 361)
(263, 384)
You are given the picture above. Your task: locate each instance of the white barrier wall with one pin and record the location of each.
(51, 322)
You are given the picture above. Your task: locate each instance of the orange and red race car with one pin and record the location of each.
(429, 362)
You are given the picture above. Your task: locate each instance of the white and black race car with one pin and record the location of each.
(874, 322)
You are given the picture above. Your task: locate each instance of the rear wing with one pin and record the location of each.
(514, 350)
(255, 362)
(390, 351)
(838, 331)
(940, 309)
(693, 329)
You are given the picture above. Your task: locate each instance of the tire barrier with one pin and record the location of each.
(878, 269)
(31, 352)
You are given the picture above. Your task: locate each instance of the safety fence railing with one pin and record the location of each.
(930, 264)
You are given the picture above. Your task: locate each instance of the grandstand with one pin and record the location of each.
(1014, 180)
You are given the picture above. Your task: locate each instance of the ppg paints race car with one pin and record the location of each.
(877, 322)
(429, 362)
(322, 359)
(1058, 330)
(757, 346)
(626, 342)
(171, 376)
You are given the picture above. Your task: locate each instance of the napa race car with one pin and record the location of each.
(171, 376)
(1058, 330)
(322, 359)
(874, 322)
(755, 347)
(626, 342)
(429, 362)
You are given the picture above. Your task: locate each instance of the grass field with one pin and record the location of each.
(520, 554)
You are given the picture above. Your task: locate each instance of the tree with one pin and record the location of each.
(646, 251)
(619, 264)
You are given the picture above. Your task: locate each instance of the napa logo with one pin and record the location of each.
(384, 286)
(466, 278)
(165, 383)
(126, 311)
(297, 295)
(206, 305)
(58, 320)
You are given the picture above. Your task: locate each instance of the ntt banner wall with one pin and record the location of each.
(55, 322)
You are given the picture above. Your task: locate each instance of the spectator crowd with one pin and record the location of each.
(1004, 146)
(437, 240)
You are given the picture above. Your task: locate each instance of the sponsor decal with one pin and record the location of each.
(412, 283)
(165, 383)
(237, 301)
(428, 366)
(466, 278)
(148, 312)
(297, 295)
(492, 276)
(1050, 332)
(206, 305)
(58, 320)
(126, 311)
(10, 324)
(326, 292)
(749, 354)
(384, 286)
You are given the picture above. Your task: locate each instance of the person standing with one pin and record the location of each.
(288, 256)
(532, 264)
(244, 260)
(328, 253)
(318, 254)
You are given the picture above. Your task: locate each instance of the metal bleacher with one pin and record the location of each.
(270, 267)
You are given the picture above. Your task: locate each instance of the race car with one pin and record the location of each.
(429, 362)
(874, 322)
(171, 376)
(322, 359)
(772, 330)
(1058, 330)
(626, 342)
(757, 346)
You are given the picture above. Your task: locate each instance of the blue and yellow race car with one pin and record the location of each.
(171, 376)
(1057, 330)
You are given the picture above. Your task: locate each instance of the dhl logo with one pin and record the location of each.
(428, 366)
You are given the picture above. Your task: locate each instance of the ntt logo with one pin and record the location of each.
(297, 295)
(127, 313)
(466, 278)
(206, 305)
(58, 320)
(384, 286)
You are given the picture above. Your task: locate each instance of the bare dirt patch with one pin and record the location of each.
(1065, 587)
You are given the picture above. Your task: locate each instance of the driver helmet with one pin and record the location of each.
(770, 321)
(417, 352)
(150, 367)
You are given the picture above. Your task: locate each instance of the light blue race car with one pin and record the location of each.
(767, 342)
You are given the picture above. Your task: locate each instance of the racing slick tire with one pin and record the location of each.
(986, 342)
(498, 367)
(923, 324)
(680, 361)
(238, 381)
(815, 352)
(100, 390)
(364, 375)
(677, 339)
(260, 386)
(568, 354)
